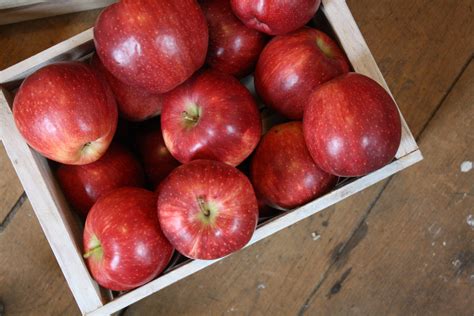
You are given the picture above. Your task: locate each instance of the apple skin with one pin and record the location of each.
(83, 185)
(66, 112)
(233, 47)
(211, 116)
(124, 245)
(207, 209)
(134, 104)
(275, 17)
(352, 126)
(155, 45)
(283, 171)
(292, 66)
(156, 158)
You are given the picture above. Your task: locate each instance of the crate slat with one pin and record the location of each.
(355, 46)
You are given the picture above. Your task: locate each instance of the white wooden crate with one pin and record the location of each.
(63, 231)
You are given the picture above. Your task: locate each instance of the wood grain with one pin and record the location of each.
(418, 255)
(420, 46)
(31, 282)
(10, 187)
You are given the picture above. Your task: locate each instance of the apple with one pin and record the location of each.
(211, 116)
(66, 112)
(134, 104)
(83, 185)
(233, 47)
(352, 126)
(155, 45)
(292, 66)
(123, 242)
(283, 171)
(275, 17)
(156, 158)
(207, 209)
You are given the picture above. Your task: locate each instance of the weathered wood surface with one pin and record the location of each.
(30, 280)
(421, 46)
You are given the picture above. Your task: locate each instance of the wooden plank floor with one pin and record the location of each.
(404, 246)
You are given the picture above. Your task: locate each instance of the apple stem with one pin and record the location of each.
(191, 118)
(86, 145)
(202, 205)
(91, 252)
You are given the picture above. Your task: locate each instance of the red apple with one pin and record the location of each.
(207, 209)
(123, 242)
(134, 104)
(211, 116)
(66, 112)
(352, 126)
(283, 171)
(292, 66)
(233, 47)
(155, 45)
(156, 158)
(83, 185)
(275, 17)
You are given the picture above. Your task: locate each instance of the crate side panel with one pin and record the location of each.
(61, 229)
(339, 16)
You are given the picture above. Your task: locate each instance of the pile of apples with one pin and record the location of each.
(173, 182)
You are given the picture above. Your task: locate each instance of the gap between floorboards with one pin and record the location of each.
(11, 214)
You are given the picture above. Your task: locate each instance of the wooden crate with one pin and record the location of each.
(13, 11)
(64, 232)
